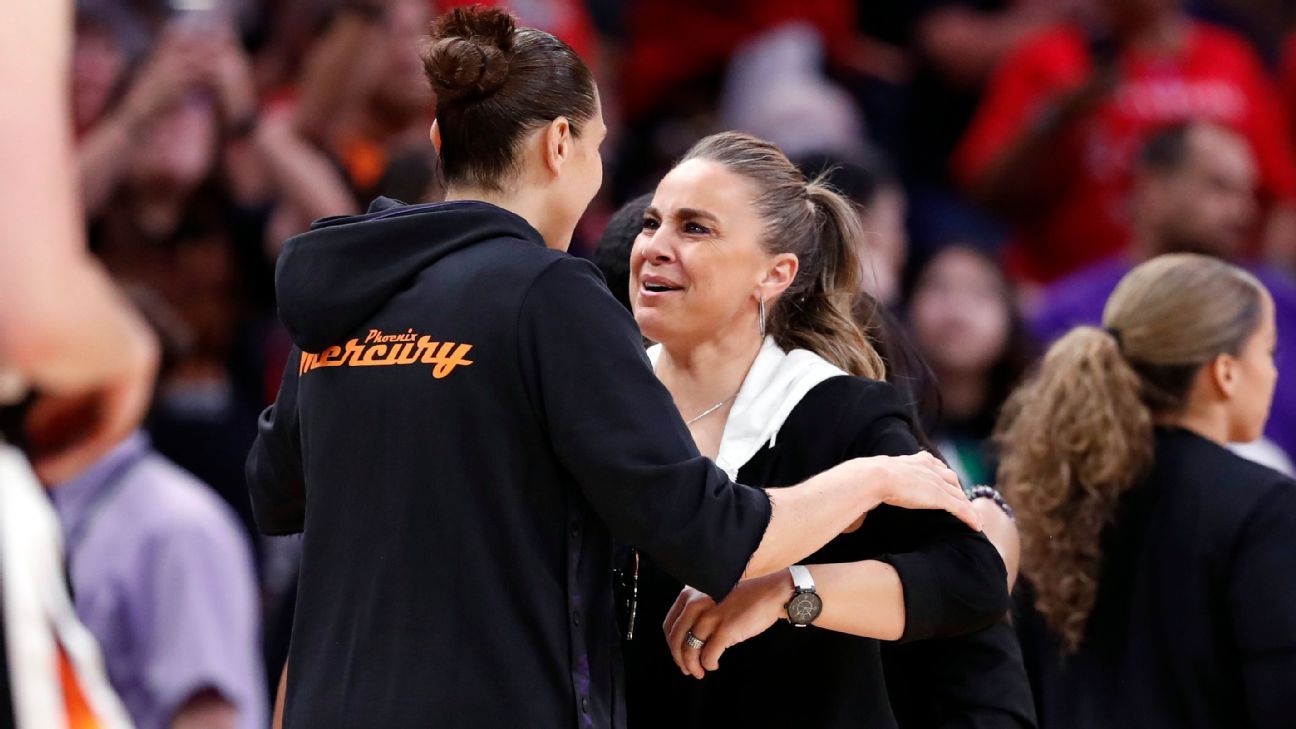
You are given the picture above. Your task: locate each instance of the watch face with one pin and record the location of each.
(804, 608)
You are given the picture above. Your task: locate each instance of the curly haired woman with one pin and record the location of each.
(1159, 564)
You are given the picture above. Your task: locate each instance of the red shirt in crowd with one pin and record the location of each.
(1216, 77)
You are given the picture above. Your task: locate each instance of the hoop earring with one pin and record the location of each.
(760, 311)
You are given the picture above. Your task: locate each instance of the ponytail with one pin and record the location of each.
(819, 315)
(1074, 438)
(1078, 434)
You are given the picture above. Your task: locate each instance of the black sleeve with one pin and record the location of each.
(615, 428)
(954, 580)
(1262, 605)
(974, 681)
(274, 466)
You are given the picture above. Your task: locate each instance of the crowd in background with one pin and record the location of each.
(1011, 159)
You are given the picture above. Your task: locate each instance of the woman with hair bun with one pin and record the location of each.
(1161, 567)
(470, 419)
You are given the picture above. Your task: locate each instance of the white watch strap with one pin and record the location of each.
(801, 578)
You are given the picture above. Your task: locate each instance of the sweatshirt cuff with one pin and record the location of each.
(728, 578)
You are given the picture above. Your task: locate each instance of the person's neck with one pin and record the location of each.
(699, 375)
(1164, 35)
(526, 205)
(1207, 423)
(1144, 244)
(963, 394)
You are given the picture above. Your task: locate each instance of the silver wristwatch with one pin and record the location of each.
(805, 604)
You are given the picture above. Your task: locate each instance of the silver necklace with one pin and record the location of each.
(711, 409)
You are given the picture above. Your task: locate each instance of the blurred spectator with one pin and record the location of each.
(963, 317)
(669, 82)
(364, 102)
(101, 55)
(1053, 142)
(1193, 191)
(163, 578)
(173, 219)
(658, 62)
(181, 176)
(956, 44)
(775, 88)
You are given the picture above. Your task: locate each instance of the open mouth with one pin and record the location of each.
(657, 285)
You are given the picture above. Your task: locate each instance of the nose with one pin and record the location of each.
(657, 248)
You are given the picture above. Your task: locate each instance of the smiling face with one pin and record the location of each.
(698, 267)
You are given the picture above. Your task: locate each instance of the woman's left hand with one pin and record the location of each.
(748, 611)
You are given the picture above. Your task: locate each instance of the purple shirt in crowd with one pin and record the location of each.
(1080, 298)
(163, 577)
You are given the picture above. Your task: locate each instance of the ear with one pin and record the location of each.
(435, 134)
(558, 143)
(1222, 372)
(779, 274)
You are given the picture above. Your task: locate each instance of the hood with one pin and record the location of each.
(336, 276)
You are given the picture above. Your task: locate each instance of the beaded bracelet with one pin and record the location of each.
(989, 492)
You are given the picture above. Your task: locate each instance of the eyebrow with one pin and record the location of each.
(695, 214)
(684, 213)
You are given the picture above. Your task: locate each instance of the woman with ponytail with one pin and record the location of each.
(746, 273)
(1159, 567)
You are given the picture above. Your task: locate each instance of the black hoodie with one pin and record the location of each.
(467, 420)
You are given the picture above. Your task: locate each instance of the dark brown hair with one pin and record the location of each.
(1078, 434)
(819, 225)
(494, 83)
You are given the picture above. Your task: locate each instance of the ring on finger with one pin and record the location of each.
(692, 641)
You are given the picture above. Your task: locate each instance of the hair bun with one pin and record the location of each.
(469, 54)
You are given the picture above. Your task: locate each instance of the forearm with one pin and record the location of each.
(101, 160)
(1012, 182)
(860, 598)
(335, 74)
(302, 174)
(808, 516)
(1017, 179)
(61, 324)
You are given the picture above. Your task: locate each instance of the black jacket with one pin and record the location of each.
(789, 678)
(1194, 625)
(470, 420)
